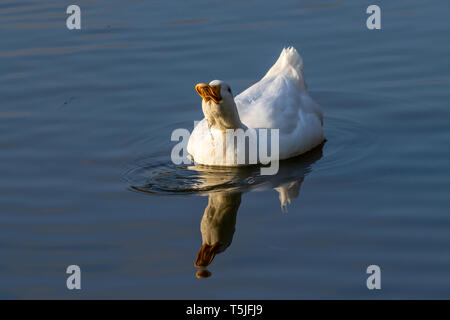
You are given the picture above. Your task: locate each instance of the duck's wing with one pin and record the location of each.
(275, 101)
(280, 101)
(271, 103)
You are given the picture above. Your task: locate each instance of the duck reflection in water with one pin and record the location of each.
(217, 227)
(219, 219)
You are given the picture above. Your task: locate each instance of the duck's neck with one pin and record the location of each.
(222, 116)
(219, 219)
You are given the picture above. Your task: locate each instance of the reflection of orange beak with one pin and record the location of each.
(203, 273)
(206, 255)
(208, 92)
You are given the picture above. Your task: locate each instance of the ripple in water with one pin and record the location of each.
(158, 175)
(348, 143)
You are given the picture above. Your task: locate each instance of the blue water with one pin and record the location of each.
(86, 116)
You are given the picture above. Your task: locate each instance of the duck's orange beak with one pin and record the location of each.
(206, 255)
(208, 92)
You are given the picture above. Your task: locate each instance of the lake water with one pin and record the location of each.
(86, 118)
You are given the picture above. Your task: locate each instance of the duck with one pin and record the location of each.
(279, 100)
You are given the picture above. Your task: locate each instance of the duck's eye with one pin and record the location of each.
(229, 90)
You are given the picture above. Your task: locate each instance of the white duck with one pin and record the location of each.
(278, 101)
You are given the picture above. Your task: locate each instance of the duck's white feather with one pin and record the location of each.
(278, 101)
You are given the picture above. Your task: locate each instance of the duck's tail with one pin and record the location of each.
(289, 63)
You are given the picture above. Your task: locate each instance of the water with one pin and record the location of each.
(86, 118)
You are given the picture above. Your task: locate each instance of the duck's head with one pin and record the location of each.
(218, 105)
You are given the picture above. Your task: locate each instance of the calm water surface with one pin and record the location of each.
(86, 178)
